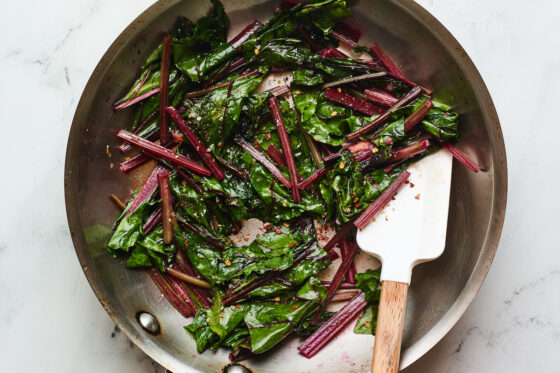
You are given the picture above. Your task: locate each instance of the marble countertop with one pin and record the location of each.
(51, 320)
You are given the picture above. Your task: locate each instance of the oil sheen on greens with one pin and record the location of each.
(287, 254)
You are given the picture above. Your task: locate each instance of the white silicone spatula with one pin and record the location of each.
(409, 231)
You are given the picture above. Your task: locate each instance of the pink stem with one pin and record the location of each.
(147, 190)
(460, 156)
(179, 288)
(348, 31)
(276, 155)
(344, 40)
(164, 153)
(335, 324)
(164, 90)
(170, 294)
(318, 174)
(152, 221)
(253, 26)
(352, 137)
(206, 156)
(134, 162)
(385, 60)
(222, 74)
(348, 253)
(352, 102)
(417, 115)
(167, 207)
(331, 52)
(372, 210)
(264, 161)
(380, 97)
(286, 146)
(131, 102)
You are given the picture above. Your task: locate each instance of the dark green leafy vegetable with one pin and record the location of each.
(260, 144)
(370, 284)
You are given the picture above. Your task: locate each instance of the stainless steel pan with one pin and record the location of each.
(442, 289)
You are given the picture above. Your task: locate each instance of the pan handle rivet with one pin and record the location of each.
(148, 322)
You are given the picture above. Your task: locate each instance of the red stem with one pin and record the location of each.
(253, 26)
(370, 212)
(335, 324)
(352, 269)
(181, 291)
(349, 31)
(352, 137)
(280, 90)
(276, 155)
(202, 295)
(152, 221)
(380, 97)
(147, 190)
(221, 85)
(343, 285)
(134, 162)
(343, 39)
(206, 156)
(339, 235)
(170, 294)
(332, 52)
(352, 102)
(344, 296)
(360, 146)
(417, 115)
(318, 174)
(164, 153)
(133, 101)
(377, 52)
(286, 146)
(222, 74)
(460, 156)
(264, 161)
(164, 90)
(167, 207)
(408, 151)
(348, 251)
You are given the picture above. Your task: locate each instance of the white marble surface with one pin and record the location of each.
(52, 322)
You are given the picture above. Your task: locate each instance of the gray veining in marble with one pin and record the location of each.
(51, 320)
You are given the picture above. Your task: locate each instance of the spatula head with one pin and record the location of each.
(411, 229)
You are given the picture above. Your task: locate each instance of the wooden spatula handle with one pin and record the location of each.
(388, 334)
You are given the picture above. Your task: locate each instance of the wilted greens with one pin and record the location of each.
(290, 158)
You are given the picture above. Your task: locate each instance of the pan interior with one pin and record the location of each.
(440, 290)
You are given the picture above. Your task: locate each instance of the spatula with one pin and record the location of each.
(410, 230)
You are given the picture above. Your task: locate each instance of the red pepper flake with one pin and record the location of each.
(246, 238)
(267, 136)
(278, 230)
(386, 219)
(228, 262)
(412, 185)
(294, 307)
(108, 152)
(292, 244)
(286, 225)
(417, 196)
(267, 225)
